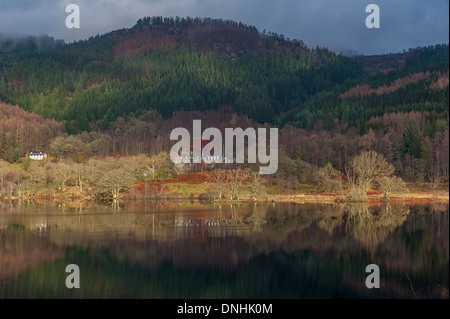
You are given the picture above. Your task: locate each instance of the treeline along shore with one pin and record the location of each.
(368, 177)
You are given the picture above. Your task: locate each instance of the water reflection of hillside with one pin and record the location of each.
(21, 250)
(227, 238)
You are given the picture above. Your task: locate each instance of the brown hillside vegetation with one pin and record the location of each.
(134, 44)
(226, 38)
(384, 63)
(441, 80)
(18, 127)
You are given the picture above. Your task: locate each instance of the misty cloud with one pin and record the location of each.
(30, 44)
(338, 24)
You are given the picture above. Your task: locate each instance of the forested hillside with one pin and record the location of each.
(122, 93)
(198, 64)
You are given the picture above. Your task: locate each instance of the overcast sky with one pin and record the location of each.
(336, 24)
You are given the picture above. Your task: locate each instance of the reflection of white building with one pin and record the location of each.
(195, 222)
(38, 156)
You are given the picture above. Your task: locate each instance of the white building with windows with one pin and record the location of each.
(38, 156)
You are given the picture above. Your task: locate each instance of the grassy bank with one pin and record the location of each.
(307, 193)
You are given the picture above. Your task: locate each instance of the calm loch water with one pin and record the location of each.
(199, 250)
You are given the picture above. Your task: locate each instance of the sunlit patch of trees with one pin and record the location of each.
(21, 131)
(107, 177)
(365, 90)
(414, 145)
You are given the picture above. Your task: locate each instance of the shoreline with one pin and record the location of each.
(424, 197)
(407, 198)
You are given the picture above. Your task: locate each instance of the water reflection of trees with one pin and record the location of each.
(258, 217)
(368, 226)
(329, 224)
(147, 237)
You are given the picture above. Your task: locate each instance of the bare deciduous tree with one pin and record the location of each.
(219, 178)
(136, 165)
(330, 179)
(160, 164)
(434, 181)
(256, 183)
(80, 173)
(363, 170)
(114, 181)
(236, 179)
(390, 185)
(61, 173)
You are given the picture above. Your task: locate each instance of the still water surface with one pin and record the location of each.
(147, 249)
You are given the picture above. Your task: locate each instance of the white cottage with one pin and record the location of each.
(38, 156)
